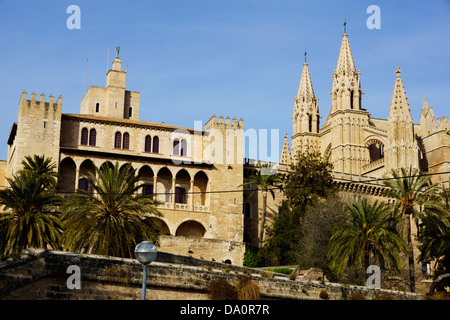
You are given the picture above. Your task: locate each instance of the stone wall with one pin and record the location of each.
(43, 274)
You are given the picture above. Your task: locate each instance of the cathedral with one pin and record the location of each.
(358, 145)
(197, 173)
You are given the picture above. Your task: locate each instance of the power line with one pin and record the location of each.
(370, 181)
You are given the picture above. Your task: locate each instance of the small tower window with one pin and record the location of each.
(148, 144)
(97, 107)
(92, 137)
(155, 144)
(126, 141)
(130, 112)
(84, 136)
(118, 140)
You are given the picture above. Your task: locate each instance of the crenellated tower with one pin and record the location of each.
(401, 149)
(36, 132)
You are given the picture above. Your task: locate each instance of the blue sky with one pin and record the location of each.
(192, 59)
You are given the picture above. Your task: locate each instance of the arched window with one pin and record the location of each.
(183, 150)
(148, 144)
(176, 147)
(83, 184)
(130, 112)
(118, 140)
(180, 195)
(126, 141)
(97, 107)
(84, 136)
(155, 144)
(92, 137)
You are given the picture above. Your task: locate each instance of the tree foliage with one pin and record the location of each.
(367, 234)
(307, 181)
(112, 219)
(30, 217)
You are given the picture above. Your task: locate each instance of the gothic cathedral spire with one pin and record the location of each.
(401, 150)
(306, 105)
(346, 91)
(306, 118)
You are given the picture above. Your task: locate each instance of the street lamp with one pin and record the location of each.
(145, 253)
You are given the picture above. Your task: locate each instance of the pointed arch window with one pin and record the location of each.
(84, 136)
(118, 140)
(155, 144)
(126, 141)
(92, 137)
(148, 144)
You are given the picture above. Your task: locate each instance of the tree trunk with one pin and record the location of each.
(412, 277)
(263, 218)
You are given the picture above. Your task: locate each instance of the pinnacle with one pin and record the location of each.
(399, 101)
(305, 88)
(345, 61)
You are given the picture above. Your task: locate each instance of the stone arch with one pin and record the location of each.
(164, 184)
(67, 173)
(109, 164)
(182, 186)
(200, 188)
(87, 168)
(376, 149)
(146, 176)
(191, 228)
(160, 225)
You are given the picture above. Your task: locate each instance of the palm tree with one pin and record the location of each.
(434, 233)
(43, 167)
(113, 218)
(366, 234)
(411, 190)
(264, 179)
(31, 217)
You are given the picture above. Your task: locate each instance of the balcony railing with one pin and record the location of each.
(184, 207)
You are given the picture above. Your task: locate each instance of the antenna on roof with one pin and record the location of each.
(107, 60)
(85, 81)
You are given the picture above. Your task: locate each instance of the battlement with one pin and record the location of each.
(51, 104)
(235, 124)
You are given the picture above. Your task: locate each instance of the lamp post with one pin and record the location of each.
(145, 253)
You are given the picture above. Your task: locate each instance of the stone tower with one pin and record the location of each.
(306, 117)
(345, 124)
(36, 132)
(401, 149)
(113, 100)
